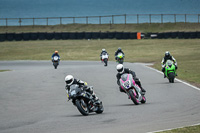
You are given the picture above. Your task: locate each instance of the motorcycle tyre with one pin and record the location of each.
(171, 77)
(143, 99)
(100, 109)
(133, 97)
(79, 106)
(106, 62)
(55, 65)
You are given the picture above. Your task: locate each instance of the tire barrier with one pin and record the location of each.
(57, 36)
(33, 36)
(2, 37)
(10, 36)
(42, 35)
(96, 35)
(65, 35)
(26, 36)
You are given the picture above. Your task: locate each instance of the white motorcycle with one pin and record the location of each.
(104, 58)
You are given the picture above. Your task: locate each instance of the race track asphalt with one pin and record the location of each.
(33, 100)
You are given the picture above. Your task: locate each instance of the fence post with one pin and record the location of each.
(162, 18)
(125, 18)
(87, 20)
(175, 18)
(60, 20)
(185, 18)
(150, 18)
(112, 19)
(137, 19)
(99, 19)
(47, 21)
(198, 18)
(20, 21)
(73, 20)
(6, 22)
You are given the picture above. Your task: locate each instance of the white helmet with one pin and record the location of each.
(120, 68)
(103, 49)
(69, 79)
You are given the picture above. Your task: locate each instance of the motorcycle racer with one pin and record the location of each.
(121, 70)
(102, 52)
(70, 80)
(55, 54)
(119, 50)
(168, 56)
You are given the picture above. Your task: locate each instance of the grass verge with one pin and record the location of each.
(191, 129)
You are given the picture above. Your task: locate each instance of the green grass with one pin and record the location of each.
(4, 70)
(186, 51)
(154, 27)
(191, 129)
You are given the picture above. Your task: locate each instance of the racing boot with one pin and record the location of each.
(164, 76)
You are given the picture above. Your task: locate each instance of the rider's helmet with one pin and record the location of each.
(167, 54)
(69, 79)
(103, 50)
(56, 52)
(119, 49)
(120, 68)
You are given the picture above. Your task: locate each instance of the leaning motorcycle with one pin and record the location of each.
(120, 58)
(133, 91)
(105, 58)
(84, 101)
(55, 61)
(170, 70)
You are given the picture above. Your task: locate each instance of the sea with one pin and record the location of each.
(88, 8)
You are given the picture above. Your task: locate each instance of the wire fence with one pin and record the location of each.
(109, 19)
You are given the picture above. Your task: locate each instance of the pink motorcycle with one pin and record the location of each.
(132, 89)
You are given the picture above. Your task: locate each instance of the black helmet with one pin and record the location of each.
(119, 49)
(167, 54)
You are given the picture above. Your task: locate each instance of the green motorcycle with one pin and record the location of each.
(170, 71)
(120, 58)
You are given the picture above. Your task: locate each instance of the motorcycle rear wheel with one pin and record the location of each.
(82, 107)
(133, 97)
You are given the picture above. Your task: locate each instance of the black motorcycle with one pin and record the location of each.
(84, 101)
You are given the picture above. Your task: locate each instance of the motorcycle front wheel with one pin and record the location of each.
(171, 77)
(100, 109)
(82, 107)
(133, 94)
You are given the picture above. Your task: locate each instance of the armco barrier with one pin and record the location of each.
(95, 35)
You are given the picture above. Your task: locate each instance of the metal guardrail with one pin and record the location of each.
(109, 19)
